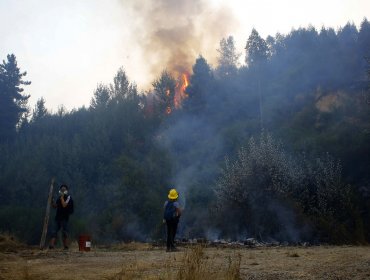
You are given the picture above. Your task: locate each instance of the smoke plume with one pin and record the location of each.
(171, 34)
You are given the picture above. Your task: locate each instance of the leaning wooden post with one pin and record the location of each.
(47, 214)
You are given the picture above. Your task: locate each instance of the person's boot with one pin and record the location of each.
(52, 243)
(65, 243)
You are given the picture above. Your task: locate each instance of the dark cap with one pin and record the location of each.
(63, 185)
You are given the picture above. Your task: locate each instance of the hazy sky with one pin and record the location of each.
(68, 47)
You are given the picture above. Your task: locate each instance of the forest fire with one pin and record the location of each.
(180, 93)
(173, 95)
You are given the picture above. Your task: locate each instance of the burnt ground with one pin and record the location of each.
(143, 261)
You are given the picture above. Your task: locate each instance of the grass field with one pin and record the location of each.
(143, 261)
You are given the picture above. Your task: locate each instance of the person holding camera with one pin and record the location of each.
(64, 206)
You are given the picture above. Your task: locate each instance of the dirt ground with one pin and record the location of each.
(143, 261)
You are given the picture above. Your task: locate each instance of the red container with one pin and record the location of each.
(84, 242)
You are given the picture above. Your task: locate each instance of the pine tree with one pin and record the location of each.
(257, 50)
(101, 97)
(201, 83)
(256, 58)
(40, 110)
(228, 60)
(164, 89)
(13, 103)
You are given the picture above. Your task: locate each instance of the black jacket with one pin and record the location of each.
(63, 212)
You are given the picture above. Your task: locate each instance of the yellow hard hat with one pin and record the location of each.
(173, 194)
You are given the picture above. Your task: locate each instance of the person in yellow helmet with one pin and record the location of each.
(171, 217)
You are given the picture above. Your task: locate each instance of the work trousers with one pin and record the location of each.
(171, 233)
(60, 225)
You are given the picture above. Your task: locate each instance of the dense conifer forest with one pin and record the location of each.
(275, 148)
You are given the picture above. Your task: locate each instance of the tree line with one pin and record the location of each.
(292, 122)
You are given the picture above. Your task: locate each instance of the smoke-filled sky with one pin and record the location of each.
(68, 47)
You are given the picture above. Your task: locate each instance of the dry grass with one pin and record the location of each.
(192, 264)
(331, 262)
(197, 264)
(131, 246)
(9, 243)
(292, 254)
(28, 275)
(233, 271)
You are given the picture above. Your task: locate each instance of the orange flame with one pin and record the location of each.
(180, 94)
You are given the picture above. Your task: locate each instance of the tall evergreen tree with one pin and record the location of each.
(200, 86)
(121, 88)
(13, 103)
(101, 97)
(228, 60)
(364, 38)
(256, 49)
(40, 110)
(164, 89)
(257, 54)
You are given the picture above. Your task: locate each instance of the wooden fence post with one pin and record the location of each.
(47, 214)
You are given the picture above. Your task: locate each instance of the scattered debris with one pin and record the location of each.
(248, 243)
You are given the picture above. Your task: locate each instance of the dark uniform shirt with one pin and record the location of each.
(63, 212)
